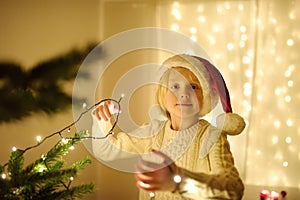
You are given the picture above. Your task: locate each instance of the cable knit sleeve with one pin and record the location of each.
(122, 145)
(222, 182)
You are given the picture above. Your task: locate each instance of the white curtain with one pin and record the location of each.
(256, 46)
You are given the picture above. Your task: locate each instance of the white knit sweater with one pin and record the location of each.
(201, 151)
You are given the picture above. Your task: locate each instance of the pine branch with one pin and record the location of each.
(47, 177)
(39, 89)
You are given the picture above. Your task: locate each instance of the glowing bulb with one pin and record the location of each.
(65, 141)
(41, 169)
(43, 157)
(246, 59)
(200, 8)
(71, 178)
(38, 138)
(277, 124)
(243, 29)
(273, 21)
(216, 28)
(244, 37)
(84, 105)
(175, 27)
(291, 68)
(152, 194)
(289, 122)
(249, 73)
(275, 140)
(287, 74)
(259, 97)
(292, 15)
(201, 19)
(227, 6)
(3, 176)
(290, 42)
(288, 140)
(231, 66)
(229, 46)
(72, 148)
(290, 83)
(14, 149)
(177, 179)
(193, 30)
(277, 91)
(241, 7)
(247, 89)
(285, 164)
(219, 9)
(258, 152)
(211, 40)
(288, 99)
(176, 14)
(194, 38)
(176, 4)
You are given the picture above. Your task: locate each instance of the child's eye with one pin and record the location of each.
(194, 87)
(174, 86)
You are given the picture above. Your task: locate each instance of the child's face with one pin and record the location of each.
(184, 95)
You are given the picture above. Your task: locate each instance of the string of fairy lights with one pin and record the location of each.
(65, 140)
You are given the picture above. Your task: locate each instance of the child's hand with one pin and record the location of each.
(153, 176)
(104, 111)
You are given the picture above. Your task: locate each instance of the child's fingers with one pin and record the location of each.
(102, 112)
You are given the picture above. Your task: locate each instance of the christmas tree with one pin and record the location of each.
(45, 178)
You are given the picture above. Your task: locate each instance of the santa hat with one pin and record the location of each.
(213, 89)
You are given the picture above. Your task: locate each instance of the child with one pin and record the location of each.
(195, 158)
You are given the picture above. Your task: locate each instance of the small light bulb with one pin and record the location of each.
(174, 27)
(288, 140)
(72, 148)
(38, 138)
(71, 178)
(43, 157)
(285, 164)
(290, 42)
(152, 194)
(3, 176)
(193, 30)
(14, 149)
(65, 141)
(177, 179)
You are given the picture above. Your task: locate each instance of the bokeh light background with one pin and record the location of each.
(256, 46)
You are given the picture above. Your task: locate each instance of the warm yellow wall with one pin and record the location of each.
(32, 31)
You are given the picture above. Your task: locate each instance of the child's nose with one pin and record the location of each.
(185, 93)
(185, 96)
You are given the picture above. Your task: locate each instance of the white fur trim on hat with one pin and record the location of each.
(231, 123)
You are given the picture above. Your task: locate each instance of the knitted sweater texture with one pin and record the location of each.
(201, 151)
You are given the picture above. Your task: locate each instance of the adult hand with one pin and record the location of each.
(156, 176)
